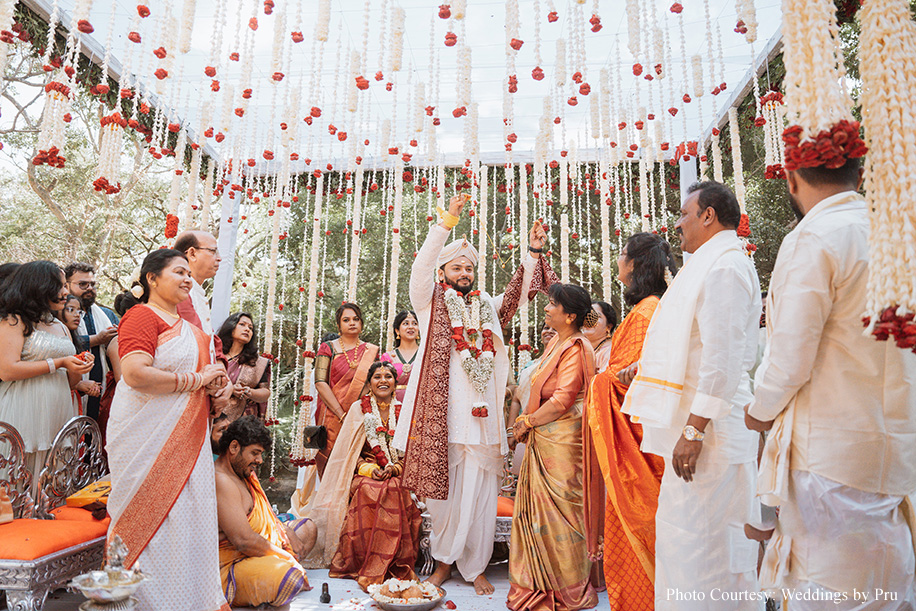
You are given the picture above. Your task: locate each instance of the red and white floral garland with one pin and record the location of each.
(379, 434)
(888, 81)
(821, 129)
(467, 328)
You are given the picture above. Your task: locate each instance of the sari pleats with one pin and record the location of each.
(548, 565)
(381, 533)
(632, 479)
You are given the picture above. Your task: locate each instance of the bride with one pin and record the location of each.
(369, 521)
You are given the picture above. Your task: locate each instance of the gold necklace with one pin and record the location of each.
(161, 309)
(344, 351)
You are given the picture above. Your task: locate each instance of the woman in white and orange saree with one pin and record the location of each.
(163, 500)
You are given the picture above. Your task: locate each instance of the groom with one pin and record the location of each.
(454, 432)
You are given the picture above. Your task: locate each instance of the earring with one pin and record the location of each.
(397, 335)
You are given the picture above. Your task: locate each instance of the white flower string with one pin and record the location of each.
(888, 82)
(396, 44)
(747, 19)
(187, 26)
(774, 117)
(716, 156)
(744, 228)
(299, 454)
(395, 253)
(524, 348)
(816, 99)
(323, 21)
(605, 202)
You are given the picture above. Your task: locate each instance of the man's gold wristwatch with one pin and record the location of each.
(692, 433)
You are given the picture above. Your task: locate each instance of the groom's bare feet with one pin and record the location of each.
(482, 586)
(442, 574)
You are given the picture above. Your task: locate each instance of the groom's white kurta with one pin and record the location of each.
(463, 525)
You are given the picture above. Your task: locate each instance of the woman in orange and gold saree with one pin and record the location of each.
(368, 524)
(341, 370)
(631, 478)
(549, 569)
(163, 502)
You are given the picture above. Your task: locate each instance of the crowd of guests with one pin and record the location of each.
(636, 445)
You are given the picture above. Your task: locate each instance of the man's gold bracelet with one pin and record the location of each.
(447, 218)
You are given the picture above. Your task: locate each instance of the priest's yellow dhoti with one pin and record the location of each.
(273, 579)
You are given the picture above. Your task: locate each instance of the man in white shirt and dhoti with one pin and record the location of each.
(689, 392)
(840, 459)
(454, 432)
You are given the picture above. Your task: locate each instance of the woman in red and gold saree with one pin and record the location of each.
(549, 568)
(368, 524)
(341, 371)
(162, 502)
(631, 479)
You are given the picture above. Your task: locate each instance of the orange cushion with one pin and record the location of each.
(77, 514)
(505, 506)
(31, 539)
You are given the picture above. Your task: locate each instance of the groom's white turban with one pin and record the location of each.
(458, 248)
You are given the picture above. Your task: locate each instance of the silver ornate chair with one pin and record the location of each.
(74, 461)
(14, 475)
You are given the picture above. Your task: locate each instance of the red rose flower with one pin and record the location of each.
(143, 10)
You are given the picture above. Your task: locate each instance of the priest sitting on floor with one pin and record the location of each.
(258, 555)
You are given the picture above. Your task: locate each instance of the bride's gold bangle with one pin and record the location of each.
(526, 418)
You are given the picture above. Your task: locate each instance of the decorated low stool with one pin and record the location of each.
(38, 556)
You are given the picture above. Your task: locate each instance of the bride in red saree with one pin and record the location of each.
(341, 371)
(368, 524)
